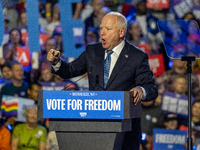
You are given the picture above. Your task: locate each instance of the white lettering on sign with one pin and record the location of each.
(74, 104)
(55, 104)
(87, 104)
(78, 31)
(102, 105)
(158, 1)
(181, 9)
(23, 58)
(154, 64)
(170, 139)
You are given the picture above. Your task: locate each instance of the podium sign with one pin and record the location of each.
(83, 104)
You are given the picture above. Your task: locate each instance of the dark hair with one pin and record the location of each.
(51, 38)
(170, 116)
(30, 85)
(20, 39)
(94, 30)
(5, 65)
(128, 35)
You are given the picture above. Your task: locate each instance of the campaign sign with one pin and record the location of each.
(15, 106)
(180, 8)
(54, 85)
(83, 104)
(176, 103)
(158, 3)
(157, 64)
(169, 139)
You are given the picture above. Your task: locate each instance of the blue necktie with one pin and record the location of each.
(107, 67)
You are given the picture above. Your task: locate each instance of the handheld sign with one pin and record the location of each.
(169, 139)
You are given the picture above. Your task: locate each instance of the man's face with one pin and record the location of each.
(172, 124)
(180, 85)
(33, 92)
(46, 75)
(97, 5)
(17, 72)
(50, 45)
(6, 71)
(110, 32)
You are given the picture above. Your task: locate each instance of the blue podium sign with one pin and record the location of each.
(83, 104)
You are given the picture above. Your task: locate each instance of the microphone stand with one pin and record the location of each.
(189, 60)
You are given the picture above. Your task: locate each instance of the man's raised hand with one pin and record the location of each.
(53, 56)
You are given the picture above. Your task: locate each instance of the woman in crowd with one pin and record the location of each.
(29, 135)
(92, 35)
(134, 33)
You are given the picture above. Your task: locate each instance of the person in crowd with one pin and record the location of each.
(128, 72)
(92, 35)
(55, 20)
(15, 38)
(134, 33)
(10, 10)
(46, 75)
(6, 72)
(52, 142)
(22, 23)
(8, 55)
(92, 20)
(77, 8)
(18, 87)
(195, 117)
(102, 12)
(5, 136)
(21, 6)
(6, 30)
(29, 135)
(32, 91)
(9, 49)
(50, 44)
(171, 121)
(57, 35)
(177, 69)
(180, 84)
(151, 117)
(141, 17)
(49, 6)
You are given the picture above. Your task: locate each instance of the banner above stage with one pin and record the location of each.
(83, 104)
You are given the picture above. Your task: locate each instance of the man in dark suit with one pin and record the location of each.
(126, 68)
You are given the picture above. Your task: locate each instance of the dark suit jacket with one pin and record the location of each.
(131, 70)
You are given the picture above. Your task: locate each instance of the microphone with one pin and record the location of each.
(89, 71)
(97, 82)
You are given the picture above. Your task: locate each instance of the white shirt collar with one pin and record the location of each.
(117, 49)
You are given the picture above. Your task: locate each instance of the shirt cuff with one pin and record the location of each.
(57, 66)
(144, 93)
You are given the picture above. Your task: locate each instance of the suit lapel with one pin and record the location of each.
(123, 58)
(100, 65)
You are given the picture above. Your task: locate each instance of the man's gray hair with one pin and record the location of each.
(120, 18)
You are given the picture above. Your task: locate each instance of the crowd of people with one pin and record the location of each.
(22, 81)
